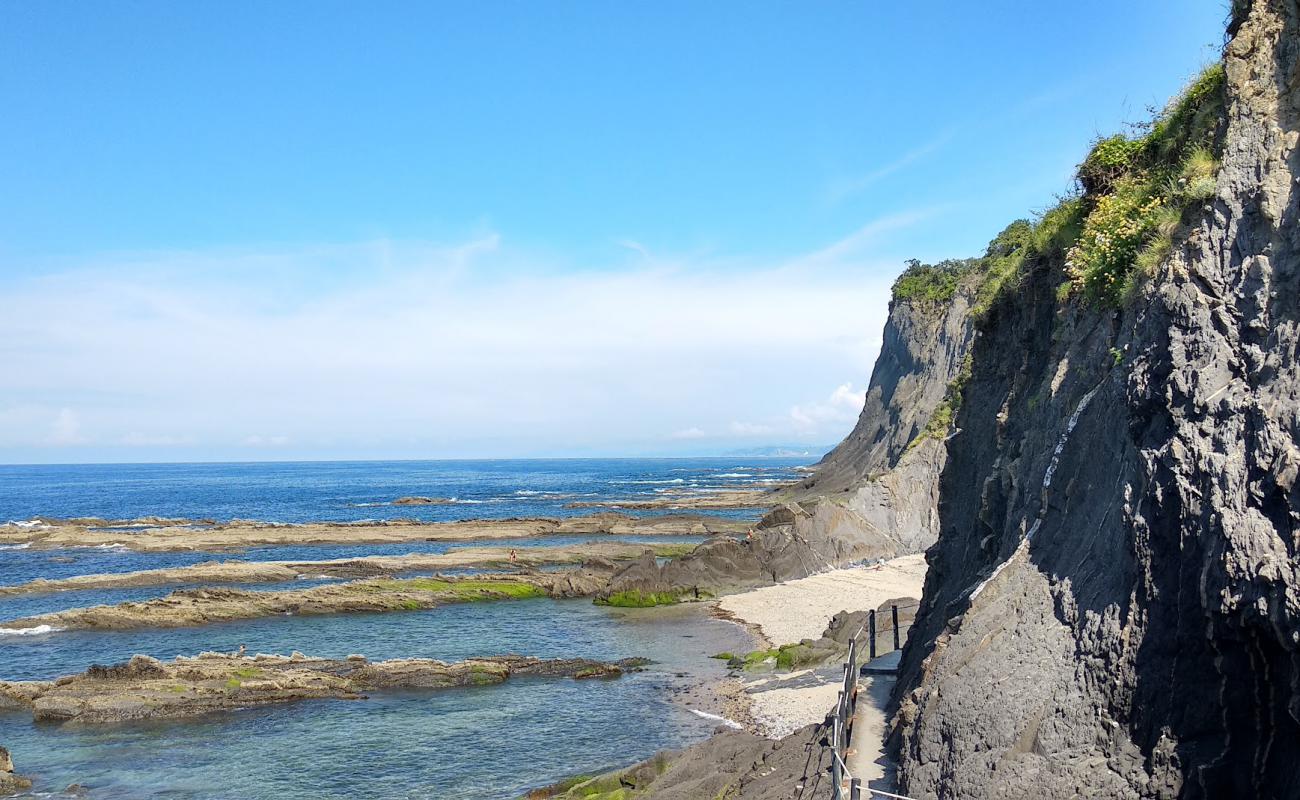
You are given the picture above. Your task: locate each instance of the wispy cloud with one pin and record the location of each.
(860, 241)
(408, 348)
(846, 187)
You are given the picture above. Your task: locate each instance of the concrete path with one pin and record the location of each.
(866, 756)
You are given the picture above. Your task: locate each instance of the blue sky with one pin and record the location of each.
(302, 230)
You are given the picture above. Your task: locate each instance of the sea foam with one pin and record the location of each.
(36, 631)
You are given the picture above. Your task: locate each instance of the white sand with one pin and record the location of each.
(796, 610)
(801, 609)
(781, 712)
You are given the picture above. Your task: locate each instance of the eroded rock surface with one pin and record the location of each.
(189, 607)
(247, 572)
(735, 765)
(160, 534)
(1113, 606)
(879, 488)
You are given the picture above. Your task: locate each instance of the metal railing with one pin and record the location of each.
(841, 721)
(841, 717)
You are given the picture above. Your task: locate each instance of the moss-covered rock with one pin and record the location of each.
(638, 599)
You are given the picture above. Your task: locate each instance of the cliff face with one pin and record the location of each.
(1113, 603)
(879, 487)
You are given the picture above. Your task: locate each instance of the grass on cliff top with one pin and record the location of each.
(1117, 230)
(930, 285)
(1138, 188)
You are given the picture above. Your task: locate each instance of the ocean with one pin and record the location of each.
(491, 742)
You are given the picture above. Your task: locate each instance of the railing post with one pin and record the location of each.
(871, 622)
(855, 789)
(894, 611)
(837, 774)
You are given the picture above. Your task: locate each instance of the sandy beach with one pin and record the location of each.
(780, 703)
(800, 609)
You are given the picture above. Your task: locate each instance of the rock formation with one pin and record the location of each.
(879, 487)
(209, 573)
(873, 496)
(10, 783)
(734, 765)
(1113, 605)
(146, 688)
(204, 606)
(154, 534)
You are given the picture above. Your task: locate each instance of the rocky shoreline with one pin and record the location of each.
(155, 534)
(248, 572)
(204, 606)
(146, 688)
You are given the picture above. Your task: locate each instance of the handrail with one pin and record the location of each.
(841, 717)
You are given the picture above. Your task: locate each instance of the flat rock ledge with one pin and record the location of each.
(193, 607)
(154, 534)
(146, 688)
(253, 572)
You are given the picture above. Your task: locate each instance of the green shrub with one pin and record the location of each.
(1196, 181)
(1110, 160)
(1120, 224)
(930, 285)
(945, 412)
(1137, 189)
(1058, 228)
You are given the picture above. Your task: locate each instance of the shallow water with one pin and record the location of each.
(476, 743)
(471, 743)
(543, 628)
(488, 742)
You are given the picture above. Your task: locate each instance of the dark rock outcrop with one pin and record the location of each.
(10, 783)
(734, 765)
(790, 542)
(1113, 605)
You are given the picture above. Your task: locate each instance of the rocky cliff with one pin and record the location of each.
(1113, 603)
(879, 487)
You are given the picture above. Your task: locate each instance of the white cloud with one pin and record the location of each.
(749, 429)
(390, 349)
(842, 406)
(688, 433)
(66, 428)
